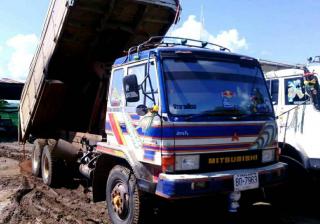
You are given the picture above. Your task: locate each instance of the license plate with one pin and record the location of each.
(244, 182)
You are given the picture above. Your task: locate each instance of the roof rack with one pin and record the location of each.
(160, 41)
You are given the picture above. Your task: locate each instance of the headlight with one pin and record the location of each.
(314, 163)
(268, 155)
(189, 162)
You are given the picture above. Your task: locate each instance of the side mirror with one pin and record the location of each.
(131, 88)
(310, 59)
(141, 110)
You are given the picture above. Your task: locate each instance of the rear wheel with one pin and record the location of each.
(124, 200)
(36, 157)
(50, 166)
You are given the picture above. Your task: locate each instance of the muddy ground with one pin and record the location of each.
(25, 199)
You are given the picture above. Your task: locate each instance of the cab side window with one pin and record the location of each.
(273, 87)
(295, 92)
(116, 90)
(313, 90)
(150, 90)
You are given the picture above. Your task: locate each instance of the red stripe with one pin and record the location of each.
(104, 149)
(194, 137)
(115, 129)
(205, 150)
(206, 125)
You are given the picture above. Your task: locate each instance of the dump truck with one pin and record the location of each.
(172, 118)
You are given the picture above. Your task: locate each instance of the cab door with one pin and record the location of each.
(292, 107)
(145, 130)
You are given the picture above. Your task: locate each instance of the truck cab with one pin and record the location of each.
(295, 95)
(191, 121)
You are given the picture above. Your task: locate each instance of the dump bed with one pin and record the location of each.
(68, 78)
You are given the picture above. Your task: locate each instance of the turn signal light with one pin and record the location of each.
(167, 162)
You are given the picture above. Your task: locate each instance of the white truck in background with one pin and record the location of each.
(295, 96)
(314, 64)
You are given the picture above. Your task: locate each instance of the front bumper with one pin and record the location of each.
(174, 186)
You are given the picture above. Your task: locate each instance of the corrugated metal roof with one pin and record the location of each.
(10, 89)
(268, 66)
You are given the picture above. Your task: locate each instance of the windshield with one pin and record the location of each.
(215, 88)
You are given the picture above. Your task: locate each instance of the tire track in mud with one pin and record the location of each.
(26, 199)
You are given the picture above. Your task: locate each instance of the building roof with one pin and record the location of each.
(268, 66)
(6, 80)
(10, 89)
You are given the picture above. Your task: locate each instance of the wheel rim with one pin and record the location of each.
(35, 161)
(120, 199)
(46, 168)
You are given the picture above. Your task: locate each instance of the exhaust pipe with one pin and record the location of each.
(86, 171)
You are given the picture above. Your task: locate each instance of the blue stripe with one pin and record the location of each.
(108, 126)
(209, 131)
(217, 131)
(196, 131)
(135, 117)
(122, 126)
(149, 154)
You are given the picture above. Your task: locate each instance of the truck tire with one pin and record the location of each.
(124, 200)
(36, 159)
(296, 189)
(50, 167)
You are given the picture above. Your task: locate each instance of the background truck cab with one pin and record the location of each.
(295, 96)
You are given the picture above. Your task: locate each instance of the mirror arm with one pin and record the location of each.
(149, 97)
(148, 74)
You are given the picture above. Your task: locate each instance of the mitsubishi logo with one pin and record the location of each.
(235, 137)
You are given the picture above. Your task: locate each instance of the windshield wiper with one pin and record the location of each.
(234, 114)
(256, 115)
(218, 113)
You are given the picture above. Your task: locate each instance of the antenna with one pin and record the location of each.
(176, 19)
(201, 37)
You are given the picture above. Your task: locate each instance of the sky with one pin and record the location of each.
(277, 30)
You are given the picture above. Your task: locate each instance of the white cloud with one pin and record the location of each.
(1, 68)
(230, 39)
(265, 53)
(1, 71)
(23, 47)
(194, 29)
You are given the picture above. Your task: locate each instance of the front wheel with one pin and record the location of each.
(124, 200)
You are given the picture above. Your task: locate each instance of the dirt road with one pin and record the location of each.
(25, 199)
